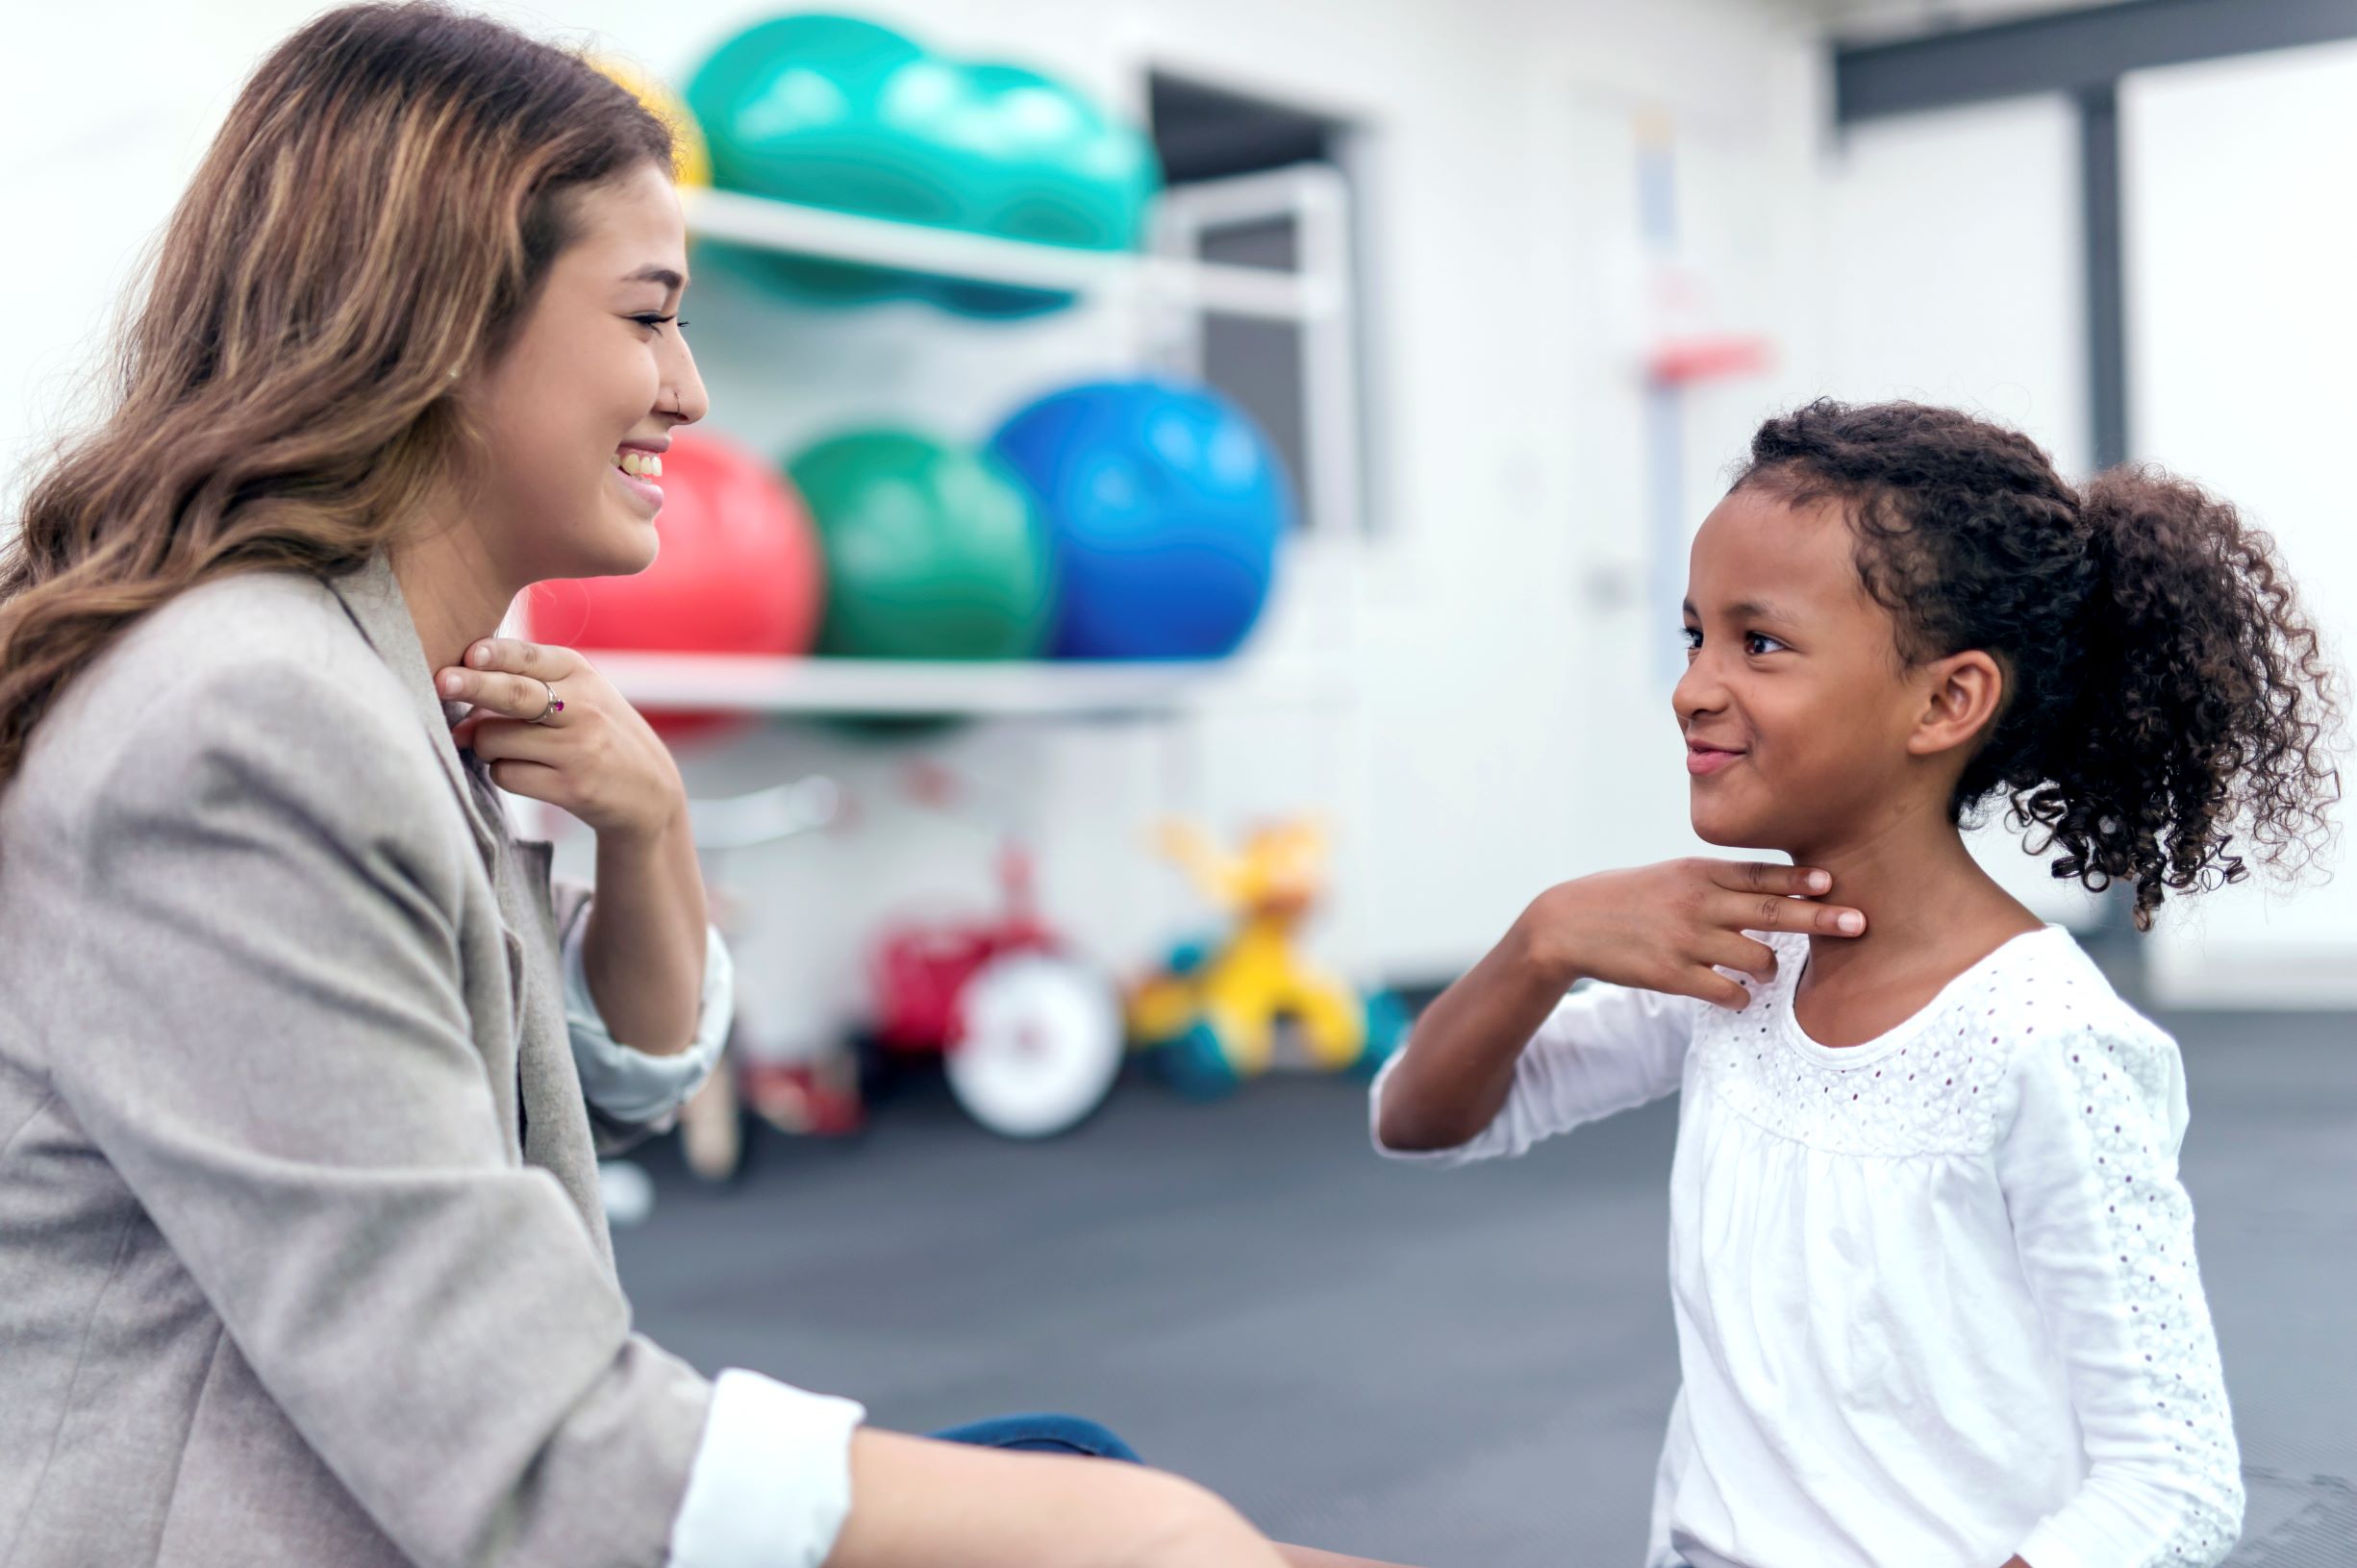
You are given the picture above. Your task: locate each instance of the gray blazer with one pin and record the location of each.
(301, 1255)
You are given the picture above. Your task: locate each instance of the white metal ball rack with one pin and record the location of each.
(1167, 292)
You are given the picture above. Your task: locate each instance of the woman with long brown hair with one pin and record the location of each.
(304, 1064)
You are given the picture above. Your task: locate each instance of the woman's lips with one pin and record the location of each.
(1704, 760)
(646, 492)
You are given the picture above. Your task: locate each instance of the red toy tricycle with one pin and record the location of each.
(1030, 1033)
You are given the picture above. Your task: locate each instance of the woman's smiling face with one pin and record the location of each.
(593, 383)
(1796, 709)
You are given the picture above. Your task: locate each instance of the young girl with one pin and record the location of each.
(1931, 1264)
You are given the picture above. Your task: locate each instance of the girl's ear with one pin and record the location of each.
(1962, 695)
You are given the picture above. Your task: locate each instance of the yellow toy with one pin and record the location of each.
(1211, 1014)
(690, 161)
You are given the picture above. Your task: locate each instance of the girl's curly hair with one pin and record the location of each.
(2163, 692)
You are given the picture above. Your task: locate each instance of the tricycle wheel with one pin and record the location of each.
(1037, 1046)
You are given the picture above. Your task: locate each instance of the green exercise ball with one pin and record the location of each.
(932, 551)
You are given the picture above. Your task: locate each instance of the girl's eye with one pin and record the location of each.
(652, 321)
(1752, 639)
(1692, 638)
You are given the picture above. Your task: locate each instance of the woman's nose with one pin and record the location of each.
(686, 399)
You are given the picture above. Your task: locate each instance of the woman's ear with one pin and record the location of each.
(1962, 695)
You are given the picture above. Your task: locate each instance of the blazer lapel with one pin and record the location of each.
(556, 1131)
(524, 1034)
(489, 949)
(372, 597)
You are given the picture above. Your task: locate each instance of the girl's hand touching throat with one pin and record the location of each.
(1671, 927)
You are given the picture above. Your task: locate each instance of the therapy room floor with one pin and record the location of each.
(1461, 1369)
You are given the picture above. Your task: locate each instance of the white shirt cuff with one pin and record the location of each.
(771, 1485)
(628, 1084)
(2051, 1546)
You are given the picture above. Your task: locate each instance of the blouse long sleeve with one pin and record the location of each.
(1604, 1048)
(633, 1092)
(2105, 1234)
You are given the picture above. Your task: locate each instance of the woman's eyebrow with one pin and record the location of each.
(663, 275)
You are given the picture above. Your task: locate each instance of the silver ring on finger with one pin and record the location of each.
(556, 705)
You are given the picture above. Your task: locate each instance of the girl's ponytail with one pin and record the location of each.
(2167, 709)
(2201, 702)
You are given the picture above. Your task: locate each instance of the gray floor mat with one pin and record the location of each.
(1470, 1368)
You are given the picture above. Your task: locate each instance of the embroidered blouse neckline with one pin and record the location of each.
(1797, 1039)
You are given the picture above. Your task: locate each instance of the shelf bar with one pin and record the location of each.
(798, 230)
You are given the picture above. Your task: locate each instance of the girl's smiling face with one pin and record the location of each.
(1804, 727)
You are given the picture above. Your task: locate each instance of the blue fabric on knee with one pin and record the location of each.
(1043, 1433)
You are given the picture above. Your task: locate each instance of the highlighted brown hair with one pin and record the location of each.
(374, 217)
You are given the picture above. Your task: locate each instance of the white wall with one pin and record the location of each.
(1510, 729)
(1952, 266)
(2243, 355)
(1743, 126)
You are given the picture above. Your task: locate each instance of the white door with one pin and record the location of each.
(1952, 275)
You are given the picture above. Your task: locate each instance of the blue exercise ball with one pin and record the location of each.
(1165, 504)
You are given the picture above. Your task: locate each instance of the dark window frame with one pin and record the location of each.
(2082, 54)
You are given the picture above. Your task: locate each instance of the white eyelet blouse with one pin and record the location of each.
(1935, 1296)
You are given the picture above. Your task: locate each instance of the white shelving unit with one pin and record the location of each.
(1168, 294)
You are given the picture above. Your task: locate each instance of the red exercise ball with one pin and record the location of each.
(738, 572)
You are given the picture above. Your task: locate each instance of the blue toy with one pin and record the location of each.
(1165, 504)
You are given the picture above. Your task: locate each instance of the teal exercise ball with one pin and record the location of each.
(835, 111)
(794, 109)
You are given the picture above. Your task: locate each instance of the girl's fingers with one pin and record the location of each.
(1729, 951)
(1765, 877)
(1772, 912)
(1832, 920)
(1782, 898)
(1714, 988)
